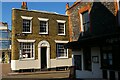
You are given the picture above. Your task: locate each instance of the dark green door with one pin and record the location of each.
(43, 58)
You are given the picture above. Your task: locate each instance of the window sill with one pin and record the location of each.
(26, 59)
(43, 33)
(61, 34)
(62, 58)
(27, 32)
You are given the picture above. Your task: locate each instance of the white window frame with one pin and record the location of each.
(27, 18)
(57, 42)
(82, 30)
(118, 12)
(62, 21)
(44, 19)
(29, 41)
(81, 20)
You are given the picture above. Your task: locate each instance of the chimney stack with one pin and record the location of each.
(24, 5)
(67, 7)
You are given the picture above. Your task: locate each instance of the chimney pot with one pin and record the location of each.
(67, 6)
(24, 5)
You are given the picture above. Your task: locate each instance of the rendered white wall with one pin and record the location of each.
(24, 64)
(61, 62)
(96, 71)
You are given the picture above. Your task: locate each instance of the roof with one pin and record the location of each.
(48, 12)
(106, 39)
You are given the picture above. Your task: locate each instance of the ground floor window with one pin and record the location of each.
(107, 56)
(77, 62)
(61, 51)
(3, 57)
(87, 58)
(26, 50)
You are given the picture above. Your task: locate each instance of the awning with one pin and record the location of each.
(100, 40)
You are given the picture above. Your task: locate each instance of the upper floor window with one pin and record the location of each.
(43, 26)
(61, 27)
(27, 24)
(85, 21)
(61, 52)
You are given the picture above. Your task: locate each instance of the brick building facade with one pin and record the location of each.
(38, 39)
(94, 39)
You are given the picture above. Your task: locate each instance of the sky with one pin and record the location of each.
(58, 7)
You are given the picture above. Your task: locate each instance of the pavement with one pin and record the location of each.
(41, 75)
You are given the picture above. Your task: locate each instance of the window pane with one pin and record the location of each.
(110, 55)
(77, 62)
(4, 44)
(26, 25)
(43, 26)
(87, 58)
(86, 22)
(60, 28)
(26, 50)
(61, 51)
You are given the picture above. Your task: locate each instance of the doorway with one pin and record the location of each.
(43, 58)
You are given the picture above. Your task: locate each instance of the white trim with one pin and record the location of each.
(43, 33)
(28, 18)
(32, 58)
(58, 41)
(23, 40)
(43, 19)
(25, 17)
(61, 21)
(81, 20)
(44, 43)
(28, 32)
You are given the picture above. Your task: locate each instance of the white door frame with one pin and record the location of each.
(44, 43)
